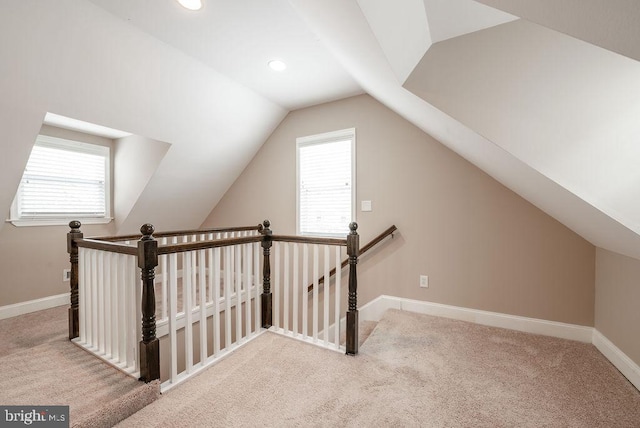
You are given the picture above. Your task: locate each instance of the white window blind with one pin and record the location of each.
(64, 179)
(326, 185)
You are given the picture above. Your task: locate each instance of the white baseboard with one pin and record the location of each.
(619, 359)
(22, 308)
(373, 311)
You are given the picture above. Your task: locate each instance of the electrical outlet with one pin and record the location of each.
(424, 281)
(66, 275)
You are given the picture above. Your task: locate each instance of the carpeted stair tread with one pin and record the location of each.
(364, 330)
(40, 366)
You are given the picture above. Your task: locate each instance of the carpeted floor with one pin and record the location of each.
(40, 366)
(36, 328)
(414, 370)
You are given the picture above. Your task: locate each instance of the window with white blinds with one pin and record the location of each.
(326, 183)
(64, 179)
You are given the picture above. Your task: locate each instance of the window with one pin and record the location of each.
(63, 180)
(326, 183)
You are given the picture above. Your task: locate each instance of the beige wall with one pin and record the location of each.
(33, 257)
(617, 295)
(482, 246)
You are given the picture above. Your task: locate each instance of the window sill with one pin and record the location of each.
(57, 221)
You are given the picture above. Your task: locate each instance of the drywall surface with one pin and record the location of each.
(617, 297)
(481, 245)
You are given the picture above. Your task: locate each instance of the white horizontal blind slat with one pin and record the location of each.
(325, 186)
(63, 181)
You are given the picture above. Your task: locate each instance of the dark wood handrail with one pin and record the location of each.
(203, 245)
(108, 245)
(310, 240)
(95, 244)
(136, 237)
(375, 241)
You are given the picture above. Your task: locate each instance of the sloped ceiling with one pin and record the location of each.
(361, 54)
(79, 61)
(238, 38)
(610, 24)
(452, 18)
(546, 104)
(565, 107)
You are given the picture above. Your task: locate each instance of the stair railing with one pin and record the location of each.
(134, 295)
(289, 307)
(118, 282)
(365, 248)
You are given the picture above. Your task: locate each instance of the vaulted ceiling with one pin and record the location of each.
(544, 95)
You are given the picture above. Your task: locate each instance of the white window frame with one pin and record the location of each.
(51, 220)
(328, 137)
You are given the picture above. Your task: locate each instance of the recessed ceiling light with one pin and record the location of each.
(277, 65)
(191, 4)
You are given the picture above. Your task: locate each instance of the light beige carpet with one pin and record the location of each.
(40, 366)
(36, 328)
(414, 370)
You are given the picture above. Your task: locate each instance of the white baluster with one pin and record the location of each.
(338, 284)
(275, 285)
(137, 322)
(305, 290)
(101, 303)
(122, 309)
(210, 268)
(194, 270)
(247, 261)
(94, 299)
(165, 279)
(216, 300)
(82, 293)
(238, 284)
(132, 319)
(203, 305)
(257, 277)
(295, 288)
(114, 306)
(173, 314)
(227, 297)
(185, 239)
(107, 303)
(285, 309)
(188, 309)
(326, 287)
(315, 293)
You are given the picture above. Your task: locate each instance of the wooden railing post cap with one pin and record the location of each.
(147, 230)
(147, 248)
(353, 242)
(74, 233)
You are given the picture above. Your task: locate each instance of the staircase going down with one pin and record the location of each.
(39, 366)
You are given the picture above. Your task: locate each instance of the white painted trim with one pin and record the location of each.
(373, 311)
(619, 359)
(22, 308)
(309, 339)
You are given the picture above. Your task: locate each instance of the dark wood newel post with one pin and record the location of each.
(353, 251)
(72, 249)
(150, 345)
(266, 298)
